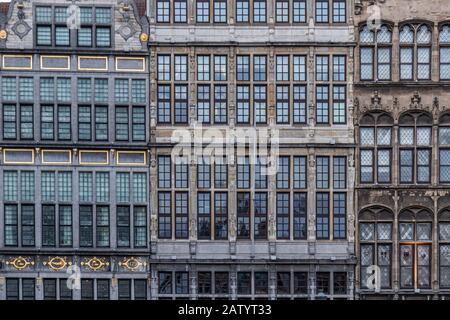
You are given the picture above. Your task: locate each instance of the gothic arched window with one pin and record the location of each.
(379, 51)
(415, 50)
(375, 236)
(444, 248)
(415, 147)
(415, 239)
(376, 147)
(444, 62)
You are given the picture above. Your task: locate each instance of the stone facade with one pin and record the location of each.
(414, 265)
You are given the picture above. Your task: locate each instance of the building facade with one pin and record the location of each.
(243, 67)
(213, 149)
(74, 150)
(402, 201)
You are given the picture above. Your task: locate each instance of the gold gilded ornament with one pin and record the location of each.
(132, 263)
(57, 263)
(20, 262)
(95, 263)
(143, 37)
(3, 34)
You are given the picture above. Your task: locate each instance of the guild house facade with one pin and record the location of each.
(213, 149)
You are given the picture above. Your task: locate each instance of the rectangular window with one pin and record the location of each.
(140, 226)
(299, 104)
(444, 63)
(220, 11)
(181, 68)
(339, 215)
(164, 215)
(47, 89)
(9, 122)
(384, 166)
(339, 172)
(243, 68)
(138, 123)
(243, 215)
(204, 215)
(300, 216)
(138, 91)
(243, 173)
(65, 226)
(102, 226)
(323, 172)
(366, 160)
(164, 172)
(204, 174)
(220, 173)
(9, 89)
(299, 68)
(339, 11)
(181, 104)
(283, 173)
(102, 186)
(123, 226)
(406, 166)
(322, 11)
(244, 283)
(406, 63)
(124, 289)
(367, 64)
(101, 123)
(260, 103)
(123, 187)
(423, 63)
(28, 232)
(48, 186)
(283, 215)
(322, 215)
(163, 67)
(322, 102)
(282, 104)
(221, 215)
(48, 226)
(242, 11)
(220, 104)
(282, 11)
(339, 68)
(299, 11)
(180, 11)
(84, 123)
(122, 124)
(260, 215)
(163, 11)
(181, 174)
(299, 173)
(261, 283)
(86, 226)
(282, 68)
(339, 104)
(259, 11)
(384, 63)
(181, 215)
(220, 68)
(26, 89)
(203, 104)
(243, 104)
(11, 226)
(259, 68)
(163, 104)
(444, 166)
(203, 11)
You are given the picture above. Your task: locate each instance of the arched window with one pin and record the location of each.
(415, 147)
(444, 249)
(444, 148)
(376, 147)
(444, 62)
(382, 48)
(415, 239)
(415, 50)
(375, 235)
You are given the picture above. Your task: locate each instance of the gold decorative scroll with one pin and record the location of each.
(20, 262)
(132, 264)
(57, 263)
(95, 263)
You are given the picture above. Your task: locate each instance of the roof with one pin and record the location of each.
(142, 7)
(4, 7)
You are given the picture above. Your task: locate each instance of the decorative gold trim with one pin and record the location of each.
(93, 151)
(143, 37)
(17, 56)
(57, 263)
(131, 164)
(132, 264)
(20, 263)
(92, 57)
(13, 162)
(130, 58)
(62, 69)
(3, 34)
(56, 163)
(95, 263)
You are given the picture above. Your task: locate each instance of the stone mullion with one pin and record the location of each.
(435, 247)
(311, 91)
(395, 54)
(193, 203)
(153, 200)
(435, 74)
(231, 160)
(395, 252)
(311, 200)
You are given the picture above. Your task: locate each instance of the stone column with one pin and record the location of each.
(153, 201)
(153, 284)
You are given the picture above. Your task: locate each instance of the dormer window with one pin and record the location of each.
(53, 22)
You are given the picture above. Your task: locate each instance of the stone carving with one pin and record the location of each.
(21, 27)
